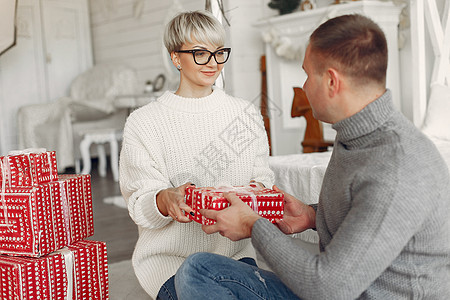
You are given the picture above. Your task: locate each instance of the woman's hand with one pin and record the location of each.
(170, 202)
(257, 183)
(298, 216)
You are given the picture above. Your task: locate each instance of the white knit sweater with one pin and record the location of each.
(209, 141)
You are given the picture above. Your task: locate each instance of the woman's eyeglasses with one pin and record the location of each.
(202, 57)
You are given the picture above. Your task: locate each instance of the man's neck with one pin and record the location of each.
(357, 98)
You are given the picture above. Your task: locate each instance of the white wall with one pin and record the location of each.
(130, 32)
(243, 70)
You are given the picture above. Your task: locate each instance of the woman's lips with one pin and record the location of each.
(209, 73)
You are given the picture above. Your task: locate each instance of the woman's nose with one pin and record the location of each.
(212, 61)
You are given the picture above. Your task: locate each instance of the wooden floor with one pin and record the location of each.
(112, 224)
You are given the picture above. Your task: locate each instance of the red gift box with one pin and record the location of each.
(28, 169)
(38, 220)
(79, 195)
(266, 202)
(79, 271)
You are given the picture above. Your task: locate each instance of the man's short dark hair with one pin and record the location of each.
(354, 45)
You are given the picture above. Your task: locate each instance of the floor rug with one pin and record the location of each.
(123, 283)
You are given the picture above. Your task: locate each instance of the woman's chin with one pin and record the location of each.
(209, 81)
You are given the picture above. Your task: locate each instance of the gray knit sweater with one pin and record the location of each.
(383, 217)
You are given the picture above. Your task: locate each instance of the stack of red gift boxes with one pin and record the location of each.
(44, 220)
(266, 202)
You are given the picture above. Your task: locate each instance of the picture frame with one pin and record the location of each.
(8, 28)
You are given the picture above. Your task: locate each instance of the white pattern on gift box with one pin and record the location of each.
(212, 198)
(43, 219)
(50, 277)
(27, 168)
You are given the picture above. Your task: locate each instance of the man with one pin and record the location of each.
(383, 212)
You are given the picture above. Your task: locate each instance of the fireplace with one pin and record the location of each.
(286, 38)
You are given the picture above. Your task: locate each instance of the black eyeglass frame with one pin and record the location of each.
(211, 54)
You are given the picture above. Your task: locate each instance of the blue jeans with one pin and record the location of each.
(212, 276)
(167, 291)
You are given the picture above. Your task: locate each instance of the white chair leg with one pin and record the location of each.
(114, 158)
(77, 166)
(101, 160)
(84, 148)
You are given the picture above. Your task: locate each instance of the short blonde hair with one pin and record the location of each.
(198, 25)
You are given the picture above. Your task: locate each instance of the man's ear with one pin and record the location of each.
(333, 82)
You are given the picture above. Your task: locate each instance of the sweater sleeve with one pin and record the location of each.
(387, 209)
(141, 178)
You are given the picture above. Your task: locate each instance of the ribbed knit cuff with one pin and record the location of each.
(314, 206)
(150, 212)
(262, 232)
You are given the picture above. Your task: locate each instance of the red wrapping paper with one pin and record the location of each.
(266, 202)
(80, 270)
(42, 219)
(27, 170)
(79, 194)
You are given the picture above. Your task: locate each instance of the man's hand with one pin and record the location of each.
(171, 202)
(234, 222)
(298, 216)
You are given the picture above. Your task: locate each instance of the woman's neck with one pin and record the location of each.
(197, 92)
(209, 103)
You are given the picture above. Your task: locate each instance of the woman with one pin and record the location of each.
(197, 135)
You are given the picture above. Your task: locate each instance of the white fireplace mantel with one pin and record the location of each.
(284, 72)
